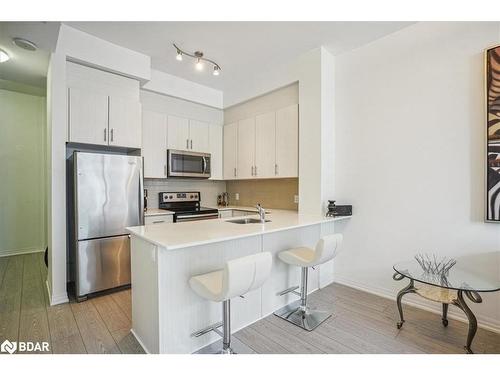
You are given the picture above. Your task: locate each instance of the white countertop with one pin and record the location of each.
(173, 236)
(157, 212)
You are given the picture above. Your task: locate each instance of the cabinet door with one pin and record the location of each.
(246, 148)
(154, 144)
(230, 151)
(88, 117)
(158, 219)
(124, 122)
(178, 133)
(198, 136)
(265, 145)
(287, 141)
(215, 141)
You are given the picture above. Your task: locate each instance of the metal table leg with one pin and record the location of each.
(410, 288)
(460, 303)
(444, 318)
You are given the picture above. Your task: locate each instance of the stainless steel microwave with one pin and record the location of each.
(188, 164)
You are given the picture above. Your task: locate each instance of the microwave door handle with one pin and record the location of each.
(204, 165)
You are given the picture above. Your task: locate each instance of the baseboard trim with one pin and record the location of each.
(140, 341)
(56, 300)
(483, 322)
(12, 252)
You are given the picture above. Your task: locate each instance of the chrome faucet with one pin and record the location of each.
(262, 213)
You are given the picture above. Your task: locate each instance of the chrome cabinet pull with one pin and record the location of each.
(112, 131)
(276, 169)
(191, 144)
(187, 143)
(252, 170)
(105, 131)
(234, 172)
(255, 171)
(159, 221)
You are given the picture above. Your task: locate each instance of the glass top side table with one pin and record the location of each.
(466, 276)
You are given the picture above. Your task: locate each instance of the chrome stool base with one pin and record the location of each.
(307, 319)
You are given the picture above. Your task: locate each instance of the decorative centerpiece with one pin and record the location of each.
(431, 265)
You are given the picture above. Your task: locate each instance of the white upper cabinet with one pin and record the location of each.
(230, 151)
(265, 145)
(199, 136)
(178, 133)
(287, 142)
(88, 117)
(215, 141)
(124, 122)
(154, 144)
(246, 148)
(104, 108)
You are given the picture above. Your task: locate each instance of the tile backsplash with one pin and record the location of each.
(271, 193)
(207, 188)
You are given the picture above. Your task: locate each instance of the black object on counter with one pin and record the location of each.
(338, 210)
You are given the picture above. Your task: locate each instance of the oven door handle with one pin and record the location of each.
(215, 215)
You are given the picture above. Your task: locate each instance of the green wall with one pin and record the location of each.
(22, 173)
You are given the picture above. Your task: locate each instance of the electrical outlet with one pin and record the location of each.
(237, 196)
(295, 199)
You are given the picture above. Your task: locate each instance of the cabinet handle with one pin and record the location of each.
(187, 144)
(191, 144)
(252, 170)
(234, 172)
(165, 169)
(105, 131)
(112, 131)
(276, 169)
(158, 222)
(255, 171)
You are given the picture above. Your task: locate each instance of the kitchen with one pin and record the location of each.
(210, 210)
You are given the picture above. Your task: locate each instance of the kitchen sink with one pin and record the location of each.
(247, 220)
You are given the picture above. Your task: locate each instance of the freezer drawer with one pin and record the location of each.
(102, 264)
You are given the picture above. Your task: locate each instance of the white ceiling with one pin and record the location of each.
(238, 47)
(27, 67)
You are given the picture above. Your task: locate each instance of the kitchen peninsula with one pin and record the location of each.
(165, 311)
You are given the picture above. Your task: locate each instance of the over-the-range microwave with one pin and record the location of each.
(188, 164)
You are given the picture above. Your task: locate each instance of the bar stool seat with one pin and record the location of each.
(238, 277)
(208, 285)
(298, 312)
(299, 256)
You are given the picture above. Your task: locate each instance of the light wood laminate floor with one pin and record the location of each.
(362, 322)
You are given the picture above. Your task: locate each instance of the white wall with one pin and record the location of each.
(179, 107)
(22, 190)
(409, 151)
(167, 84)
(271, 101)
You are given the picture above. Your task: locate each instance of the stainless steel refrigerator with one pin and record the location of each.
(107, 197)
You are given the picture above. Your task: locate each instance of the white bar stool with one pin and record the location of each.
(238, 277)
(298, 312)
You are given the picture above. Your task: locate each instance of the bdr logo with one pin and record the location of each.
(24, 346)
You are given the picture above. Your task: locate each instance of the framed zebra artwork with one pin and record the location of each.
(493, 134)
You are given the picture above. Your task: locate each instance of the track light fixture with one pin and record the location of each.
(198, 55)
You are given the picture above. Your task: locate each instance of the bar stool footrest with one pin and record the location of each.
(214, 327)
(292, 289)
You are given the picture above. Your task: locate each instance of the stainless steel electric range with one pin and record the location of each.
(186, 206)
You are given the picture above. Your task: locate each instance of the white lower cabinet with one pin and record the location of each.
(158, 219)
(154, 144)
